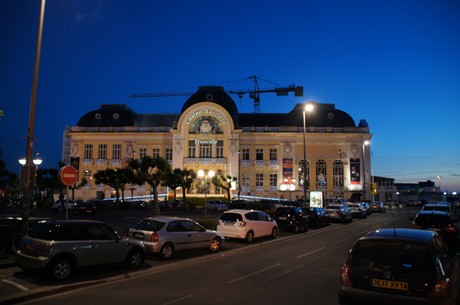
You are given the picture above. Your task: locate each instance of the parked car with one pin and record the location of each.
(368, 208)
(317, 217)
(84, 208)
(339, 212)
(442, 206)
(399, 266)
(377, 207)
(60, 246)
(164, 235)
(440, 222)
(291, 218)
(60, 206)
(246, 224)
(142, 205)
(357, 210)
(216, 205)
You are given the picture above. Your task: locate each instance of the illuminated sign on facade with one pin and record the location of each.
(208, 112)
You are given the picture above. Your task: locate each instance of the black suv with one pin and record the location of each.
(291, 218)
(440, 222)
(399, 266)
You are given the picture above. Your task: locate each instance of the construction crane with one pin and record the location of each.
(253, 93)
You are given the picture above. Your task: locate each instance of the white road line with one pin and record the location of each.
(342, 240)
(251, 274)
(311, 252)
(178, 300)
(16, 285)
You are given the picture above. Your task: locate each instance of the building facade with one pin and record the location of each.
(264, 151)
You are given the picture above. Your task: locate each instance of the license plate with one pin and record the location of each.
(282, 218)
(390, 284)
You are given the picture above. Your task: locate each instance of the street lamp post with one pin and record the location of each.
(210, 174)
(365, 143)
(308, 108)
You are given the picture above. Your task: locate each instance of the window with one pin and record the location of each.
(245, 154)
(169, 154)
(88, 151)
(116, 151)
(245, 180)
(220, 149)
(191, 149)
(304, 168)
(259, 179)
(102, 152)
(142, 152)
(273, 179)
(321, 173)
(273, 154)
(338, 173)
(259, 154)
(205, 150)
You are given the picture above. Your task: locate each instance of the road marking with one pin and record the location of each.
(254, 273)
(178, 300)
(311, 252)
(16, 285)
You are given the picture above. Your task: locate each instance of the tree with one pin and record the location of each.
(116, 179)
(183, 178)
(224, 182)
(152, 171)
(7, 179)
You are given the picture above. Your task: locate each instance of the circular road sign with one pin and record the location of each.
(68, 175)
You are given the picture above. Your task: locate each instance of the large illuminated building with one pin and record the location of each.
(264, 151)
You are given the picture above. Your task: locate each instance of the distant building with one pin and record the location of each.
(424, 190)
(386, 189)
(265, 151)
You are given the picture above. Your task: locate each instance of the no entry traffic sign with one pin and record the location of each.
(68, 175)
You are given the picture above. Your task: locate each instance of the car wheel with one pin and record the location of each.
(166, 251)
(135, 258)
(216, 243)
(274, 232)
(249, 237)
(61, 268)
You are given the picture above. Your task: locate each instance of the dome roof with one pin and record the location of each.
(214, 94)
(115, 115)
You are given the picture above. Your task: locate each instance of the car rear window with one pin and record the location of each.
(393, 255)
(231, 217)
(428, 219)
(45, 231)
(148, 225)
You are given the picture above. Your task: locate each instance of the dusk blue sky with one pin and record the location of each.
(394, 63)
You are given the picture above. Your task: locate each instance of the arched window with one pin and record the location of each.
(321, 175)
(304, 167)
(337, 169)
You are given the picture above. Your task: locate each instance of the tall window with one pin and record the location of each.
(259, 154)
(245, 180)
(102, 152)
(191, 149)
(88, 151)
(169, 154)
(245, 154)
(304, 168)
(259, 179)
(220, 149)
(205, 150)
(142, 152)
(116, 151)
(155, 152)
(338, 173)
(273, 154)
(321, 173)
(273, 180)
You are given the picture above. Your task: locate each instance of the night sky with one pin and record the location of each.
(394, 63)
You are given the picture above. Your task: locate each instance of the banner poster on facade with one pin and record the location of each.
(287, 168)
(355, 175)
(316, 199)
(75, 162)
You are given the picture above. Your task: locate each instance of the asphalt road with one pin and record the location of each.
(292, 269)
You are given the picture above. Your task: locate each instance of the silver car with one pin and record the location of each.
(164, 235)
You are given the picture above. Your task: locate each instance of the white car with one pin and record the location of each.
(60, 206)
(246, 224)
(216, 205)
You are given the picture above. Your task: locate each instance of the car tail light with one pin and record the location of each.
(440, 289)
(450, 229)
(242, 224)
(154, 237)
(344, 276)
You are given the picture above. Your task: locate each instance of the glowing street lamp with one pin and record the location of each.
(308, 108)
(210, 174)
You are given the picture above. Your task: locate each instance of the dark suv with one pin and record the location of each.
(399, 266)
(59, 247)
(291, 218)
(440, 222)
